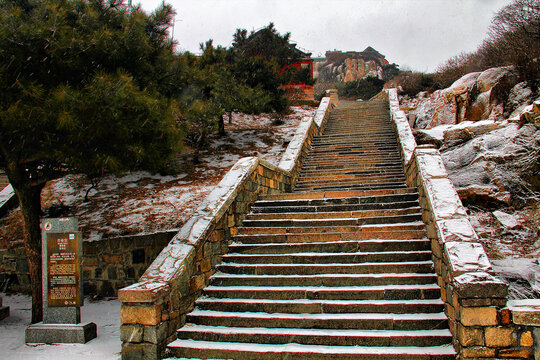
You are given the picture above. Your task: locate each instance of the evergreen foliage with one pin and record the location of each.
(84, 86)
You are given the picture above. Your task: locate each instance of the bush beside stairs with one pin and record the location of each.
(338, 269)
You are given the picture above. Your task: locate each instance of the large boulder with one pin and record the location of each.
(473, 97)
(495, 168)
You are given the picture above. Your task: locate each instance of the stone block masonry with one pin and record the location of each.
(484, 324)
(156, 306)
(107, 265)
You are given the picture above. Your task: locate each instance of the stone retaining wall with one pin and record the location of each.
(155, 307)
(108, 264)
(484, 324)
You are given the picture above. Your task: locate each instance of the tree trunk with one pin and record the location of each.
(230, 117)
(30, 202)
(221, 125)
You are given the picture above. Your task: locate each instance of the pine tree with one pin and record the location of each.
(85, 86)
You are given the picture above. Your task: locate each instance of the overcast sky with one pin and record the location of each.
(415, 34)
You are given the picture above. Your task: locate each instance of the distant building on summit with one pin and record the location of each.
(338, 66)
(268, 43)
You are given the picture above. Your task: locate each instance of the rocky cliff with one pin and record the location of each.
(487, 128)
(340, 66)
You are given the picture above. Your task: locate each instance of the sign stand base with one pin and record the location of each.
(41, 333)
(4, 310)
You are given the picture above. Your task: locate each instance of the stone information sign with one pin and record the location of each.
(63, 269)
(62, 248)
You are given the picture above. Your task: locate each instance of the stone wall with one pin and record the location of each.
(108, 264)
(484, 324)
(155, 307)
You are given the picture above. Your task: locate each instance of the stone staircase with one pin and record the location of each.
(339, 269)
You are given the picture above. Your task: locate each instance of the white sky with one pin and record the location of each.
(415, 34)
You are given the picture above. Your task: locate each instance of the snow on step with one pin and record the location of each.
(318, 332)
(339, 269)
(314, 350)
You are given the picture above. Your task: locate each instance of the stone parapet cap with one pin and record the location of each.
(525, 312)
(143, 292)
(289, 159)
(321, 111)
(474, 285)
(465, 257)
(404, 132)
(459, 230)
(217, 202)
(430, 162)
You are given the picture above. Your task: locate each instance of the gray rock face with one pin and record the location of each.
(473, 97)
(496, 167)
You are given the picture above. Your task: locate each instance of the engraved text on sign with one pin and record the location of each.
(63, 269)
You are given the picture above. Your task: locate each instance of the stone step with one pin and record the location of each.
(341, 195)
(246, 351)
(336, 268)
(328, 246)
(380, 151)
(329, 236)
(357, 210)
(364, 159)
(354, 175)
(378, 321)
(328, 223)
(317, 336)
(325, 258)
(367, 292)
(315, 306)
(361, 181)
(334, 149)
(391, 185)
(352, 166)
(322, 198)
(318, 214)
(317, 230)
(359, 171)
(327, 280)
(351, 175)
(341, 150)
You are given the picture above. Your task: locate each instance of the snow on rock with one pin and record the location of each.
(475, 96)
(143, 203)
(522, 273)
(447, 136)
(507, 220)
(497, 166)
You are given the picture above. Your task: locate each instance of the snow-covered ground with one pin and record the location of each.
(107, 345)
(143, 203)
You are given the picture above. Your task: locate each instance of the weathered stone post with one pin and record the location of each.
(62, 286)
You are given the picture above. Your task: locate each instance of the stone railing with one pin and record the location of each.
(483, 323)
(155, 307)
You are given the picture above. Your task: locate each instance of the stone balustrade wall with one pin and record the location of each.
(156, 306)
(484, 324)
